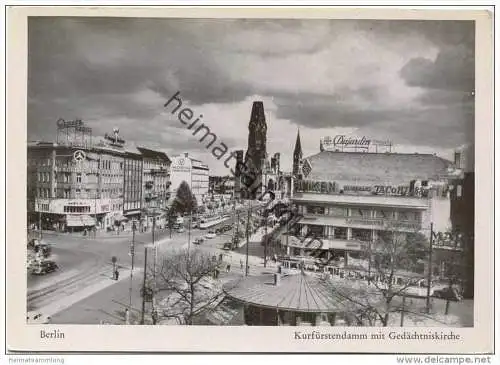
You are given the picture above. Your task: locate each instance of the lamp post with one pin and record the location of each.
(429, 272)
(144, 284)
(132, 254)
(248, 238)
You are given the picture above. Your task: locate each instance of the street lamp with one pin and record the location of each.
(132, 254)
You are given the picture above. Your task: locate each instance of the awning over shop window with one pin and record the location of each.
(120, 217)
(132, 212)
(79, 220)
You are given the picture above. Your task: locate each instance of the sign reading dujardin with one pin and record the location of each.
(366, 144)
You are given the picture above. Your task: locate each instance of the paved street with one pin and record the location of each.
(85, 262)
(83, 291)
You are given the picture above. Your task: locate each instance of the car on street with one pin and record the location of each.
(448, 294)
(194, 225)
(44, 267)
(227, 246)
(37, 318)
(210, 235)
(180, 230)
(198, 241)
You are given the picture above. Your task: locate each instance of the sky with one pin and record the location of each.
(411, 82)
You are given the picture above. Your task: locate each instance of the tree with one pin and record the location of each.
(450, 248)
(392, 259)
(185, 201)
(187, 279)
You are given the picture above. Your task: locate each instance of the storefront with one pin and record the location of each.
(346, 202)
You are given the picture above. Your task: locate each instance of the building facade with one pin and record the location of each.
(349, 199)
(67, 193)
(82, 182)
(221, 185)
(194, 172)
(155, 178)
(462, 211)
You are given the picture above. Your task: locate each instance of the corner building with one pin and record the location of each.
(348, 198)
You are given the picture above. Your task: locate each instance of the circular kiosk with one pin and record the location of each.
(299, 299)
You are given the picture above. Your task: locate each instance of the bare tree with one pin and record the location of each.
(393, 258)
(187, 280)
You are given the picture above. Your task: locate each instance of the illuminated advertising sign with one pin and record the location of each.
(181, 165)
(311, 186)
(330, 187)
(339, 142)
(61, 123)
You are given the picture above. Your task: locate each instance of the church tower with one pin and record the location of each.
(297, 156)
(255, 158)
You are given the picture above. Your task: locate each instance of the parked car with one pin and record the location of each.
(448, 294)
(194, 225)
(228, 246)
(37, 318)
(41, 247)
(44, 267)
(180, 230)
(210, 235)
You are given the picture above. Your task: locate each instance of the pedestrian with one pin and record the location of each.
(127, 316)
(228, 267)
(241, 264)
(154, 316)
(117, 274)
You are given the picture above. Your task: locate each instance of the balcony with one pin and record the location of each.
(360, 222)
(323, 243)
(150, 196)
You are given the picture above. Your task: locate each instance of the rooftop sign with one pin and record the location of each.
(341, 142)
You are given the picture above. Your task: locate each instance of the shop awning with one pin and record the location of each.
(120, 217)
(132, 212)
(79, 220)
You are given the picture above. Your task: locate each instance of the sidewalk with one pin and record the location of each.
(112, 235)
(66, 302)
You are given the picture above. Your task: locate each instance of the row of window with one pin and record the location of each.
(108, 165)
(340, 233)
(76, 209)
(44, 177)
(41, 161)
(338, 211)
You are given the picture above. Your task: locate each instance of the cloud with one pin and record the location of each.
(453, 69)
(406, 80)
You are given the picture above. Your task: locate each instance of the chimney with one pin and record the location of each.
(277, 278)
